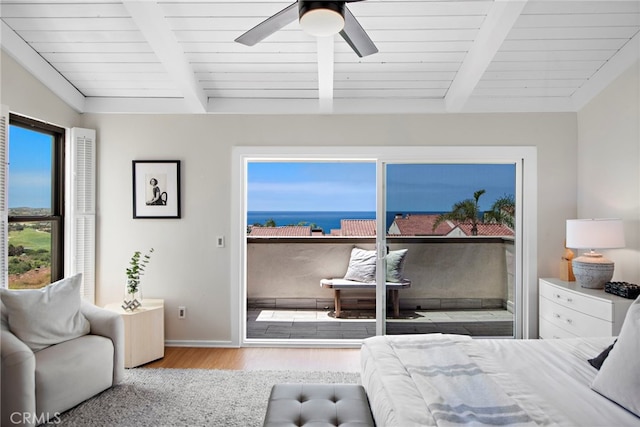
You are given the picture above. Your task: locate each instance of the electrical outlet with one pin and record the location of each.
(220, 241)
(182, 312)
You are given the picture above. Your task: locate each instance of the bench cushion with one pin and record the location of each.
(318, 405)
(350, 284)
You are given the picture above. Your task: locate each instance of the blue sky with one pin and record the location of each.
(303, 186)
(307, 186)
(29, 168)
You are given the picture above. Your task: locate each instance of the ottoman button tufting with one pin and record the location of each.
(318, 405)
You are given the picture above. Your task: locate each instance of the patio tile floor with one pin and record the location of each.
(360, 324)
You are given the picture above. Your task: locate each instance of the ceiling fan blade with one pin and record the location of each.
(270, 25)
(355, 36)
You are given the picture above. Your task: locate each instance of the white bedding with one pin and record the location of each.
(547, 379)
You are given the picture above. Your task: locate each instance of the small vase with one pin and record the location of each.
(132, 300)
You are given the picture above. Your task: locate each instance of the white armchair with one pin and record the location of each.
(38, 386)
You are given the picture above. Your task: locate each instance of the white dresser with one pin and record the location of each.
(568, 310)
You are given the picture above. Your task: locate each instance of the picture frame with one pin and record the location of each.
(156, 189)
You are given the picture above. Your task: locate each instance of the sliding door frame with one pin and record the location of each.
(524, 157)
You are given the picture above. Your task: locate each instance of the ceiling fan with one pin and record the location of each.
(318, 18)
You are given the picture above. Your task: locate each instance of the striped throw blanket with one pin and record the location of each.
(455, 389)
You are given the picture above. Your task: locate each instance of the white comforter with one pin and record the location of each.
(426, 380)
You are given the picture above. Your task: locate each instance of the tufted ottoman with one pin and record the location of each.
(318, 405)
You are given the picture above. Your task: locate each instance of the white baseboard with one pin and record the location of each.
(198, 343)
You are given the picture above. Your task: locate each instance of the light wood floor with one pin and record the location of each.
(254, 358)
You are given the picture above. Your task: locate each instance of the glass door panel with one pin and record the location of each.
(450, 243)
(309, 226)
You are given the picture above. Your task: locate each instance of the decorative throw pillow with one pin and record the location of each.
(362, 266)
(597, 361)
(47, 316)
(395, 264)
(619, 377)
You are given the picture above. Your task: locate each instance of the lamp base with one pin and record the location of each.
(592, 271)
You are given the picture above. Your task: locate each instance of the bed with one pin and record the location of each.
(439, 379)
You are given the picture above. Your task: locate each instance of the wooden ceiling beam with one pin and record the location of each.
(153, 25)
(494, 30)
(19, 50)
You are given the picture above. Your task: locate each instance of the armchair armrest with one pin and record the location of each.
(108, 324)
(18, 378)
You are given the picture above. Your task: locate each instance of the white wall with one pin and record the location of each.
(187, 269)
(609, 166)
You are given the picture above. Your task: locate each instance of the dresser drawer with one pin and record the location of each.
(550, 331)
(599, 308)
(573, 321)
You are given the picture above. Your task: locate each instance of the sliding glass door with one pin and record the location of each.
(444, 226)
(450, 248)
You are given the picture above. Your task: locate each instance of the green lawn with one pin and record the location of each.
(30, 239)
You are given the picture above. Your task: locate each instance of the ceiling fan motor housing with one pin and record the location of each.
(307, 6)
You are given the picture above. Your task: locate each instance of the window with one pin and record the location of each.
(36, 203)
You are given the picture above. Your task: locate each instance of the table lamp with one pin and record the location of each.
(591, 269)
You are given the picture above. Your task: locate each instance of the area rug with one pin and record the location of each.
(190, 397)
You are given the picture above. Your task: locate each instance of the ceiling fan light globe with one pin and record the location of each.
(322, 22)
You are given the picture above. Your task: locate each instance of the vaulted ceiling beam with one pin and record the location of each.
(325, 72)
(494, 30)
(153, 25)
(20, 50)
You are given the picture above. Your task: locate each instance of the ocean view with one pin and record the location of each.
(325, 220)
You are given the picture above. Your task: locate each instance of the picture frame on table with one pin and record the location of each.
(156, 189)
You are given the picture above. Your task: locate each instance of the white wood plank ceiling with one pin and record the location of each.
(434, 56)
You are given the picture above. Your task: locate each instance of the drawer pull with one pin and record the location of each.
(556, 315)
(569, 321)
(568, 299)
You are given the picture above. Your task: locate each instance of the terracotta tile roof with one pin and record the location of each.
(357, 227)
(487, 229)
(421, 225)
(285, 231)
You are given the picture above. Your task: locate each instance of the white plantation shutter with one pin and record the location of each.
(4, 209)
(81, 209)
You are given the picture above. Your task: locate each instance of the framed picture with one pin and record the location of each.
(156, 188)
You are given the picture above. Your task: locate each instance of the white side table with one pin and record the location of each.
(143, 332)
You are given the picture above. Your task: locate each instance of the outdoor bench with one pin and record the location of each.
(339, 284)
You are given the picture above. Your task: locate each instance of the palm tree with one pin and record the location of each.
(463, 211)
(502, 211)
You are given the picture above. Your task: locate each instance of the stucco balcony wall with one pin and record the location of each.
(474, 272)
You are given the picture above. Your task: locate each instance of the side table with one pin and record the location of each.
(143, 332)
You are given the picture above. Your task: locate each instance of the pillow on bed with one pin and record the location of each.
(395, 264)
(619, 377)
(597, 361)
(362, 266)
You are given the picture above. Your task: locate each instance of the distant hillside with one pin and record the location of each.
(29, 211)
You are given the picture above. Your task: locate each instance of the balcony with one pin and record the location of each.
(459, 285)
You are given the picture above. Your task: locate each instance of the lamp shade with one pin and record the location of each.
(595, 233)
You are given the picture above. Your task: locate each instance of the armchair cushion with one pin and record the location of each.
(68, 373)
(44, 317)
